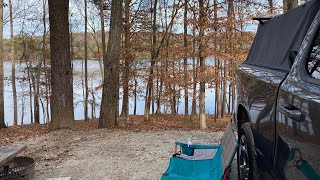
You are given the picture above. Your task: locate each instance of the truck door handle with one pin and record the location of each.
(292, 112)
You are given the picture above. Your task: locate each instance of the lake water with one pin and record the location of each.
(94, 79)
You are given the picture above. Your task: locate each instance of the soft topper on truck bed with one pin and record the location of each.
(278, 110)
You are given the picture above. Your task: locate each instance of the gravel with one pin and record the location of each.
(110, 154)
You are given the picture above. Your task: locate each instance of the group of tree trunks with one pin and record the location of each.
(62, 112)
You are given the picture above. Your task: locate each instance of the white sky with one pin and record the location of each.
(74, 4)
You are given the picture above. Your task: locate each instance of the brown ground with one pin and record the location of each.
(132, 151)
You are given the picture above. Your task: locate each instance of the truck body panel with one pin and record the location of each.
(283, 105)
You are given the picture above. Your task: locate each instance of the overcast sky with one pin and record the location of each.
(74, 10)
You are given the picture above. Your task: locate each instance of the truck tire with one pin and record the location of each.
(246, 156)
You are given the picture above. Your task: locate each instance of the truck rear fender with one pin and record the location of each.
(242, 116)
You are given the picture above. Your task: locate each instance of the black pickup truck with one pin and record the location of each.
(278, 103)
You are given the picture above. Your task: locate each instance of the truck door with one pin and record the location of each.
(297, 153)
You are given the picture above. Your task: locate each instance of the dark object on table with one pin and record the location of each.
(18, 168)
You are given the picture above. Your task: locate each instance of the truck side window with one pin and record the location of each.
(313, 67)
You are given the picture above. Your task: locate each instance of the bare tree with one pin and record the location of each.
(231, 24)
(153, 57)
(110, 94)
(185, 61)
(2, 123)
(103, 32)
(86, 61)
(202, 112)
(127, 57)
(61, 76)
(47, 88)
(155, 51)
(194, 64)
(13, 69)
(100, 4)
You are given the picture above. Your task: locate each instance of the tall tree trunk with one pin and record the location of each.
(22, 109)
(289, 4)
(36, 87)
(2, 123)
(216, 63)
(93, 106)
(86, 118)
(224, 89)
(83, 89)
(185, 62)
(61, 76)
(152, 101)
(165, 4)
(173, 91)
(202, 111)
(160, 89)
(229, 94)
(218, 92)
(232, 35)
(110, 94)
(71, 40)
(233, 89)
(153, 56)
(30, 91)
(103, 35)
(47, 85)
(125, 102)
(135, 96)
(194, 81)
(13, 68)
(26, 59)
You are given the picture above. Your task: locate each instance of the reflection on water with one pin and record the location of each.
(95, 80)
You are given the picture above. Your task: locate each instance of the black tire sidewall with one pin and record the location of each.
(253, 168)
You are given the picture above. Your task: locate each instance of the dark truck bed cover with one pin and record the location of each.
(281, 35)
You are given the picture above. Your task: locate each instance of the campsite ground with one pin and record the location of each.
(128, 152)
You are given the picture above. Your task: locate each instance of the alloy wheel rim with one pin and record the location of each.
(243, 158)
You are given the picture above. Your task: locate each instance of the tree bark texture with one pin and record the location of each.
(218, 92)
(185, 61)
(86, 118)
(224, 88)
(194, 74)
(202, 112)
(61, 76)
(125, 102)
(103, 34)
(35, 77)
(13, 69)
(44, 2)
(153, 56)
(2, 123)
(110, 94)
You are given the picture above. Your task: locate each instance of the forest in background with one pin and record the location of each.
(172, 38)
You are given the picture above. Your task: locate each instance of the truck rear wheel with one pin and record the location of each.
(246, 157)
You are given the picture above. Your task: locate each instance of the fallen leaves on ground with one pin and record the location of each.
(132, 123)
(171, 122)
(19, 133)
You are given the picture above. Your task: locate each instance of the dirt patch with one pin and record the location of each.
(108, 154)
(134, 150)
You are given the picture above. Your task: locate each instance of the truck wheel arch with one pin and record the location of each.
(242, 116)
